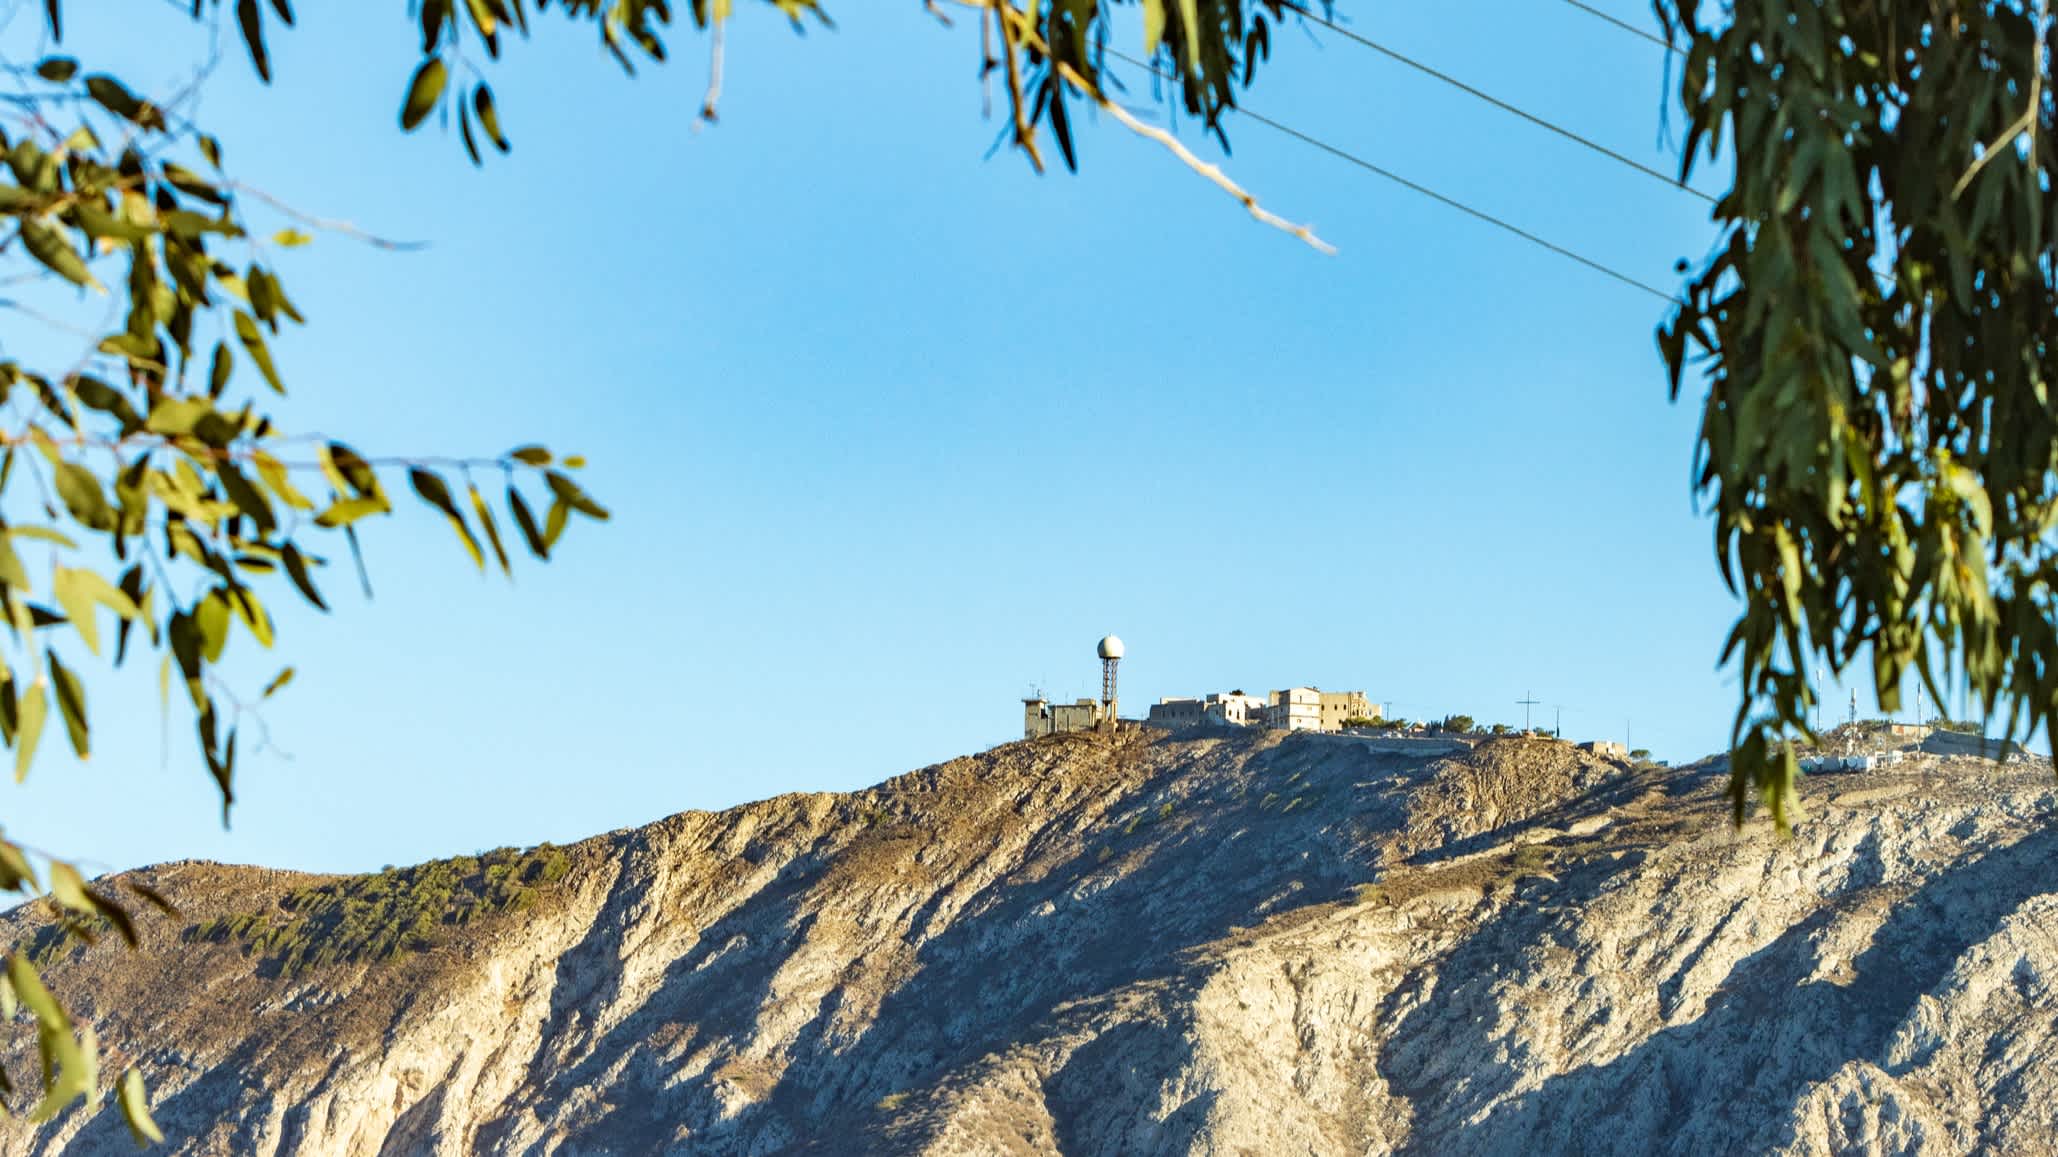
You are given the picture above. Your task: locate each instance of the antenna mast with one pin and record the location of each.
(1110, 651)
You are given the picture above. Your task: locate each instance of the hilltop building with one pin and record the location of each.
(1233, 709)
(1293, 709)
(1041, 717)
(1338, 706)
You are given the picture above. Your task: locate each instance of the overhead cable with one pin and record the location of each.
(1424, 190)
(1626, 26)
(1505, 106)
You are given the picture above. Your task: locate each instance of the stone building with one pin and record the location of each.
(1338, 706)
(1230, 709)
(1041, 717)
(1294, 709)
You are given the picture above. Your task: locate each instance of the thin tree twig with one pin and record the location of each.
(1212, 173)
(326, 224)
(2031, 116)
(1023, 137)
(714, 72)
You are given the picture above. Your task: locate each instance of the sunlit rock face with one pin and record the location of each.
(1228, 944)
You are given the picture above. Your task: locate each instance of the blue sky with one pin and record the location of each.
(894, 430)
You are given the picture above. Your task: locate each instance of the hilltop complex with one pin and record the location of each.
(1294, 709)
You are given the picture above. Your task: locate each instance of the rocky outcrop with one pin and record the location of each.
(1221, 943)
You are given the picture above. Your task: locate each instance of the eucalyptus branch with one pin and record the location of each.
(2031, 116)
(1212, 173)
(1025, 137)
(714, 70)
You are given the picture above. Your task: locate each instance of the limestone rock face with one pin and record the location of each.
(1223, 944)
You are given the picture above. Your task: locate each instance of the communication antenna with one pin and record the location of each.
(1110, 651)
(1527, 701)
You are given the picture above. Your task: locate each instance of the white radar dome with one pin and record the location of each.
(1111, 648)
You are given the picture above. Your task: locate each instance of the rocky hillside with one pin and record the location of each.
(1233, 944)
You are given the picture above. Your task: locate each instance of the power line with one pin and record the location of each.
(1626, 26)
(1504, 106)
(1426, 191)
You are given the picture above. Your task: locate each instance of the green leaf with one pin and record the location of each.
(98, 395)
(485, 517)
(155, 898)
(434, 492)
(247, 498)
(290, 238)
(29, 989)
(29, 729)
(80, 491)
(422, 92)
(530, 455)
(12, 572)
(43, 534)
(280, 480)
(296, 569)
(57, 69)
(253, 615)
(348, 510)
(1153, 26)
(71, 703)
(211, 616)
(569, 493)
(554, 521)
(527, 522)
(489, 117)
(48, 245)
(68, 888)
(113, 96)
(218, 372)
(106, 907)
(81, 593)
(252, 23)
(135, 1109)
(253, 344)
(278, 683)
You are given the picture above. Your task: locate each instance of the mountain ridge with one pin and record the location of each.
(1224, 942)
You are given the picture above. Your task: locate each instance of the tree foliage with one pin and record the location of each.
(1877, 326)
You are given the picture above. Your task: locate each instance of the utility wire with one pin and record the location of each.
(1432, 194)
(1626, 26)
(1504, 106)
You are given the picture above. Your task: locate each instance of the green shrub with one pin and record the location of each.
(387, 915)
